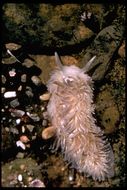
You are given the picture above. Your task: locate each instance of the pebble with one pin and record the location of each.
(10, 94)
(19, 88)
(14, 103)
(45, 115)
(10, 60)
(36, 80)
(16, 112)
(29, 92)
(12, 73)
(12, 46)
(34, 137)
(71, 177)
(36, 183)
(44, 123)
(3, 79)
(48, 132)
(20, 155)
(29, 88)
(23, 129)
(20, 177)
(6, 107)
(29, 179)
(20, 144)
(22, 166)
(42, 108)
(3, 90)
(14, 130)
(28, 63)
(3, 110)
(33, 116)
(18, 121)
(45, 97)
(23, 78)
(30, 127)
(10, 120)
(85, 16)
(7, 129)
(24, 139)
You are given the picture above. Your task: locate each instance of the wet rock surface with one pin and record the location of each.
(36, 21)
(21, 173)
(24, 114)
(105, 106)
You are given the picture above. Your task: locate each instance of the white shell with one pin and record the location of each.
(10, 94)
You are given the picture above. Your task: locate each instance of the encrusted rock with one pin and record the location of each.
(61, 20)
(104, 46)
(107, 111)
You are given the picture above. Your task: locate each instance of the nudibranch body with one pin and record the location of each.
(71, 110)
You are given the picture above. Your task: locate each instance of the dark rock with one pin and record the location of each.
(44, 25)
(36, 80)
(23, 78)
(14, 103)
(3, 79)
(104, 46)
(30, 127)
(29, 92)
(107, 111)
(28, 63)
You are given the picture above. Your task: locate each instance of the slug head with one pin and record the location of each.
(70, 73)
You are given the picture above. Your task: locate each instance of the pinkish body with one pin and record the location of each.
(71, 112)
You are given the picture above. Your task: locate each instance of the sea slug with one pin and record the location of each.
(71, 110)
